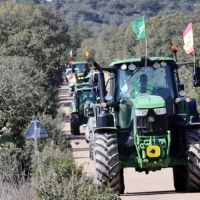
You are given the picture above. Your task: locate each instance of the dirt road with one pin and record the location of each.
(138, 186)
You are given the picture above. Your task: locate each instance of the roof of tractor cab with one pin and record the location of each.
(83, 89)
(138, 60)
(80, 62)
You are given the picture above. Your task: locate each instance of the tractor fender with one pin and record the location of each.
(189, 125)
(74, 112)
(73, 107)
(106, 130)
(71, 85)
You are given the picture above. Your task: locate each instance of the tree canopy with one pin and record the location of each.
(36, 32)
(100, 15)
(34, 39)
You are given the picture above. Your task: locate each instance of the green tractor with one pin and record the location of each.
(147, 130)
(80, 74)
(81, 107)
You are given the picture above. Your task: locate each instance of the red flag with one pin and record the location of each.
(71, 62)
(188, 39)
(72, 78)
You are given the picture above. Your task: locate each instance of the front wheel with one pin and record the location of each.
(180, 175)
(106, 159)
(193, 143)
(75, 124)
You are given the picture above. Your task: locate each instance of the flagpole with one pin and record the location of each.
(194, 60)
(146, 50)
(194, 54)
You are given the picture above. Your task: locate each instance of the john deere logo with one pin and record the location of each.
(151, 119)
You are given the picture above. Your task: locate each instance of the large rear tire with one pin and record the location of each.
(106, 159)
(193, 142)
(75, 124)
(180, 174)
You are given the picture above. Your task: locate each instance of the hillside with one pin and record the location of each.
(100, 15)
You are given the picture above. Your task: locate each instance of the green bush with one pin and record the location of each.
(15, 165)
(57, 177)
(9, 191)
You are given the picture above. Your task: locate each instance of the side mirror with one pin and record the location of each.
(196, 76)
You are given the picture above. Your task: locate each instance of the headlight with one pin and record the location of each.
(160, 111)
(141, 112)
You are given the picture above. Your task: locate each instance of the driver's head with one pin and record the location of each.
(143, 80)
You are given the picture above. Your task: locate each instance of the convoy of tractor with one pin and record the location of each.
(146, 121)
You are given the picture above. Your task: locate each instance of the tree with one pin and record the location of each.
(36, 32)
(21, 92)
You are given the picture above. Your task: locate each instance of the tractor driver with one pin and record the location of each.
(143, 87)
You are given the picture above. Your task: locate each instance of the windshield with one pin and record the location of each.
(80, 67)
(87, 96)
(142, 81)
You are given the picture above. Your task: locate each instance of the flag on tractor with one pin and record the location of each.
(70, 53)
(138, 26)
(87, 54)
(188, 39)
(72, 79)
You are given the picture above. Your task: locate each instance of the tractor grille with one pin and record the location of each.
(151, 124)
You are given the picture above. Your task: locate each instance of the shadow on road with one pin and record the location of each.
(82, 157)
(67, 104)
(76, 137)
(67, 119)
(151, 193)
(80, 149)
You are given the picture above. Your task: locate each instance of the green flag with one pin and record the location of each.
(138, 26)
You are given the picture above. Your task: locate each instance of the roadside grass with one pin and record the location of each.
(11, 191)
(46, 172)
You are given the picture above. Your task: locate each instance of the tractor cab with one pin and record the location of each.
(80, 74)
(81, 69)
(162, 90)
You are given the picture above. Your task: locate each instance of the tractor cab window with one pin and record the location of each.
(87, 96)
(79, 68)
(157, 81)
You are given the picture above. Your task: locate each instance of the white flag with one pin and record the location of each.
(70, 53)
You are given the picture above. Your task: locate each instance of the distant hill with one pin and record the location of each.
(98, 15)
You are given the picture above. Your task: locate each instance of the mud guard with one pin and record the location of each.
(73, 107)
(105, 130)
(191, 125)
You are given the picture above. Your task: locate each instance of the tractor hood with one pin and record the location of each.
(149, 101)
